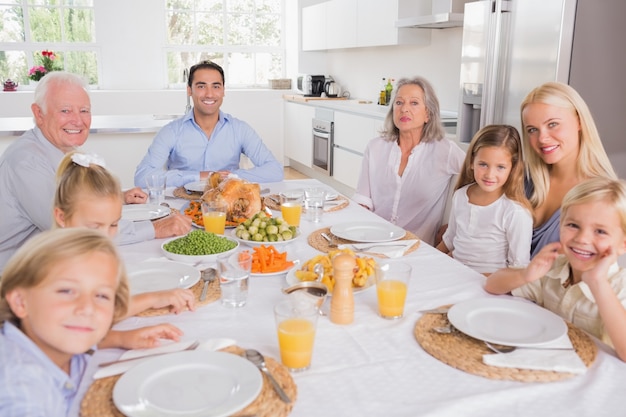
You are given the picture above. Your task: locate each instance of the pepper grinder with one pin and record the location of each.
(342, 303)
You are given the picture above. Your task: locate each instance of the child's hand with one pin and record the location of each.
(542, 262)
(177, 299)
(148, 337)
(135, 196)
(600, 271)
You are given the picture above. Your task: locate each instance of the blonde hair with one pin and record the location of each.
(609, 191)
(498, 136)
(592, 160)
(75, 181)
(433, 130)
(32, 263)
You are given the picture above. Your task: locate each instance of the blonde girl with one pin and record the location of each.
(578, 277)
(490, 223)
(88, 195)
(59, 295)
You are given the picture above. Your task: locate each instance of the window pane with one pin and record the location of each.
(214, 6)
(78, 3)
(240, 29)
(79, 25)
(11, 24)
(246, 6)
(180, 28)
(179, 4)
(268, 30)
(83, 63)
(210, 29)
(241, 68)
(45, 24)
(13, 65)
(268, 6)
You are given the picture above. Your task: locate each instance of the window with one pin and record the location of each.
(66, 27)
(246, 37)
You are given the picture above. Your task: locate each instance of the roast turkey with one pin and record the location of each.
(242, 197)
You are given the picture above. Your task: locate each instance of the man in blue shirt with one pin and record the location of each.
(207, 140)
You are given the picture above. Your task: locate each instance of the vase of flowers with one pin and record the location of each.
(47, 61)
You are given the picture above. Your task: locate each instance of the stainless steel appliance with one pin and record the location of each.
(512, 46)
(323, 142)
(311, 85)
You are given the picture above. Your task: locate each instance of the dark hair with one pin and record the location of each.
(205, 65)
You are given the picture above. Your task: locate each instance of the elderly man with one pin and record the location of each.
(62, 113)
(207, 140)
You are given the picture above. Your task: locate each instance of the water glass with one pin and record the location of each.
(392, 281)
(291, 206)
(314, 203)
(296, 320)
(234, 272)
(156, 188)
(214, 216)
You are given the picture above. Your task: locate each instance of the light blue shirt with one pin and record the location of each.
(182, 149)
(33, 385)
(27, 186)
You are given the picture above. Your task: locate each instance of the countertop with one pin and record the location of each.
(361, 107)
(147, 123)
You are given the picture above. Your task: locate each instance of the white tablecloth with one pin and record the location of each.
(375, 367)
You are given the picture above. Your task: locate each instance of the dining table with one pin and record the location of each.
(375, 366)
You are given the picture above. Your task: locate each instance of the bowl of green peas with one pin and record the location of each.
(198, 246)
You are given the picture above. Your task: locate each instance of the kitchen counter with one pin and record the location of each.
(148, 123)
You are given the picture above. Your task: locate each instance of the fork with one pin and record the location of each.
(368, 247)
(190, 347)
(331, 243)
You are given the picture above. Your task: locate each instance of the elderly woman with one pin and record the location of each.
(562, 148)
(406, 172)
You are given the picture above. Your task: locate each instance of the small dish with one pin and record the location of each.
(196, 258)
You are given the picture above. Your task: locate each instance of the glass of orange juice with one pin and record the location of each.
(214, 216)
(392, 280)
(296, 320)
(291, 206)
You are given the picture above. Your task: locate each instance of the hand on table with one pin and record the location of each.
(172, 225)
(135, 196)
(177, 300)
(142, 338)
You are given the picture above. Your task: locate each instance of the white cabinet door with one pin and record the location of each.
(299, 132)
(353, 131)
(341, 22)
(346, 167)
(314, 27)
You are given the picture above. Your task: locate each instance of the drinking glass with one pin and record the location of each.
(234, 272)
(291, 206)
(156, 188)
(392, 281)
(296, 320)
(314, 203)
(214, 216)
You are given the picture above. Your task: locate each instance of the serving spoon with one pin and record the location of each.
(208, 276)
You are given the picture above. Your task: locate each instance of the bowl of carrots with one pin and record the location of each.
(267, 260)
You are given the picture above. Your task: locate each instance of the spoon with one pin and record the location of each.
(318, 269)
(208, 276)
(257, 358)
(500, 348)
(331, 244)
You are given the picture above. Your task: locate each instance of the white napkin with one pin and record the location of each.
(541, 358)
(139, 355)
(394, 249)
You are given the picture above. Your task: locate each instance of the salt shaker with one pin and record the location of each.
(342, 302)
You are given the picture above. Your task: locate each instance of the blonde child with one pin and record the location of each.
(578, 278)
(490, 224)
(59, 295)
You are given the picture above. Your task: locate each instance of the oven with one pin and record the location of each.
(323, 145)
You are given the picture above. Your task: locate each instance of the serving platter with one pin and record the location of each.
(232, 234)
(188, 384)
(160, 275)
(292, 279)
(141, 212)
(368, 232)
(507, 321)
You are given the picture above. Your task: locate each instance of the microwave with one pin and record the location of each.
(311, 85)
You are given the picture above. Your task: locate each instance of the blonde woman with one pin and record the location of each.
(562, 148)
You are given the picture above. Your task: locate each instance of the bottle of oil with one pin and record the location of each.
(388, 90)
(382, 94)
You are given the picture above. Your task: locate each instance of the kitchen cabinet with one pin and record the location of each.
(298, 132)
(338, 24)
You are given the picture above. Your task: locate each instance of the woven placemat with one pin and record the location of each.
(339, 203)
(213, 293)
(98, 400)
(180, 192)
(466, 353)
(316, 241)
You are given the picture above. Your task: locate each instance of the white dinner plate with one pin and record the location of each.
(368, 232)
(331, 196)
(161, 275)
(292, 279)
(232, 234)
(188, 384)
(196, 186)
(507, 321)
(140, 212)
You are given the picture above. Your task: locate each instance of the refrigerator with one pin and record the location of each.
(511, 46)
